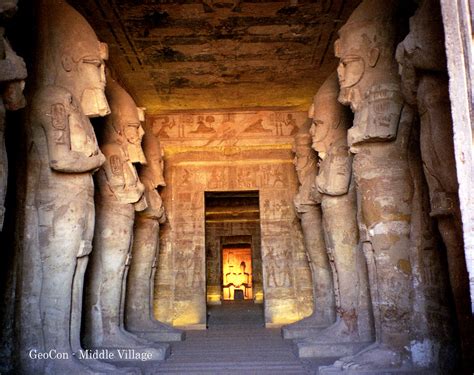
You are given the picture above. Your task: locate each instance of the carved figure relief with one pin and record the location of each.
(204, 128)
(278, 272)
(257, 127)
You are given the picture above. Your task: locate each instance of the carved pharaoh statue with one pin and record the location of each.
(336, 192)
(422, 60)
(62, 155)
(119, 195)
(369, 83)
(139, 316)
(12, 76)
(309, 213)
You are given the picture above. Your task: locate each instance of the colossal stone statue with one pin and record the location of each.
(309, 212)
(422, 61)
(336, 192)
(369, 83)
(139, 316)
(119, 195)
(62, 155)
(12, 76)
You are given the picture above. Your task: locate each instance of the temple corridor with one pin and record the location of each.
(236, 186)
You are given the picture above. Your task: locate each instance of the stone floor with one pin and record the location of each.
(236, 342)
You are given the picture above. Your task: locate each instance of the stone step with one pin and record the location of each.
(236, 342)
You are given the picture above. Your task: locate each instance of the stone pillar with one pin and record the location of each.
(379, 138)
(119, 195)
(12, 76)
(309, 212)
(59, 222)
(139, 316)
(353, 327)
(422, 60)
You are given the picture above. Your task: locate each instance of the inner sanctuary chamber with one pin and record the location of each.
(275, 186)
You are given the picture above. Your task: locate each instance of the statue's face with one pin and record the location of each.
(8, 6)
(156, 163)
(407, 73)
(351, 68)
(134, 132)
(91, 72)
(12, 96)
(424, 43)
(301, 159)
(326, 123)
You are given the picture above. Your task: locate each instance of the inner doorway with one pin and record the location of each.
(233, 247)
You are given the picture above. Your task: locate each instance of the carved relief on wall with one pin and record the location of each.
(191, 174)
(227, 129)
(277, 265)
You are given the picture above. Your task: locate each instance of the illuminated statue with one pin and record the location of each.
(139, 317)
(379, 138)
(59, 223)
(309, 211)
(336, 192)
(120, 194)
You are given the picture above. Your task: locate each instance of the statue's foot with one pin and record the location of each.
(155, 330)
(305, 327)
(314, 320)
(335, 333)
(120, 338)
(335, 341)
(376, 356)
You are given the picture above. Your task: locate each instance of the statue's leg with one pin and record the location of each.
(385, 211)
(139, 315)
(87, 212)
(60, 237)
(322, 278)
